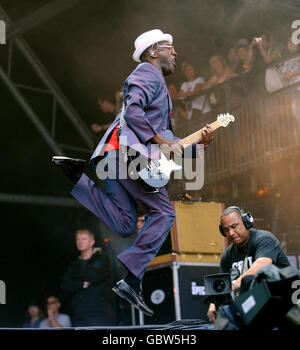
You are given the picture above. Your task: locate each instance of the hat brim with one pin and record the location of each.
(137, 53)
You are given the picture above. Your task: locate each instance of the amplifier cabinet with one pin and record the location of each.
(196, 230)
(196, 227)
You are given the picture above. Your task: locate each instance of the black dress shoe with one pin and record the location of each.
(72, 168)
(123, 290)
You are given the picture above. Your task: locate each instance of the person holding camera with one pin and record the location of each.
(246, 57)
(267, 52)
(250, 249)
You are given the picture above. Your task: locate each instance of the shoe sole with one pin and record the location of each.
(64, 158)
(115, 290)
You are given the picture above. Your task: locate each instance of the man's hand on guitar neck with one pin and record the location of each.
(207, 135)
(168, 146)
(173, 148)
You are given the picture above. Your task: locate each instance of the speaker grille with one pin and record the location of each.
(196, 228)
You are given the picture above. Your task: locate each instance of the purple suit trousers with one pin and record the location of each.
(117, 209)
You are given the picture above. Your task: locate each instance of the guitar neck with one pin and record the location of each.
(197, 136)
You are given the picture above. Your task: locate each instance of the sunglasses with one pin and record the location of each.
(166, 47)
(51, 302)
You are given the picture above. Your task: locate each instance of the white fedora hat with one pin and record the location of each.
(147, 39)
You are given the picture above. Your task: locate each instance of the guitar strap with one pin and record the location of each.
(122, 121)
(123, 148)
(169, 110)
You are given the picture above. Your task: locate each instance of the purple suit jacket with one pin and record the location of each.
(147, 112)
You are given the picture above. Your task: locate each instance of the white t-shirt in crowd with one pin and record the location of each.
(292, 65)
(200, 103)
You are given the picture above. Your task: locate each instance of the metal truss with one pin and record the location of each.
(15, 41)
(58, 99)
(41, 15)
(39, 200)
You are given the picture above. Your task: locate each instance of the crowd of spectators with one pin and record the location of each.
(239, 74)
(240, 69)
(85, 289)
(36, 318)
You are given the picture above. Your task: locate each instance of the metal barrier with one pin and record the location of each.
(266, 128)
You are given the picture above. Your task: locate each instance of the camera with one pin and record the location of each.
(258, 39)
(266, 303)
(218, 289)
(217, 284)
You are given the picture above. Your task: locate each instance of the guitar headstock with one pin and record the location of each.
(225, 119)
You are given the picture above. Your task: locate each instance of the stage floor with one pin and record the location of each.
(176, 325)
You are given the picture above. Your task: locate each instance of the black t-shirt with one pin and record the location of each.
(261, 244)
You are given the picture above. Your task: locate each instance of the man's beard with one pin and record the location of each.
(166, 64)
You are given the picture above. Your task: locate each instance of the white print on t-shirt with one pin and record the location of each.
(292, 65)
(242, 266)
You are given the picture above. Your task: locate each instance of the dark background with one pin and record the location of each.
(87, 50)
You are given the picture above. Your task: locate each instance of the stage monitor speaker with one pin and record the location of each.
(265, 306)
(176, 292)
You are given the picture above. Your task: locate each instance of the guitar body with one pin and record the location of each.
(156, 172)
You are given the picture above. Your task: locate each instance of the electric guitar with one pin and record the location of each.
(156, 172)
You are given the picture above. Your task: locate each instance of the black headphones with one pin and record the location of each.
(246, 217)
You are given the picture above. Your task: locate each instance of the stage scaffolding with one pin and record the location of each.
(15, 42)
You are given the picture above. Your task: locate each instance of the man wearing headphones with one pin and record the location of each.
(250, 249)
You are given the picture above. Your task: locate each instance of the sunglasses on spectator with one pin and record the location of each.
(51, 302)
